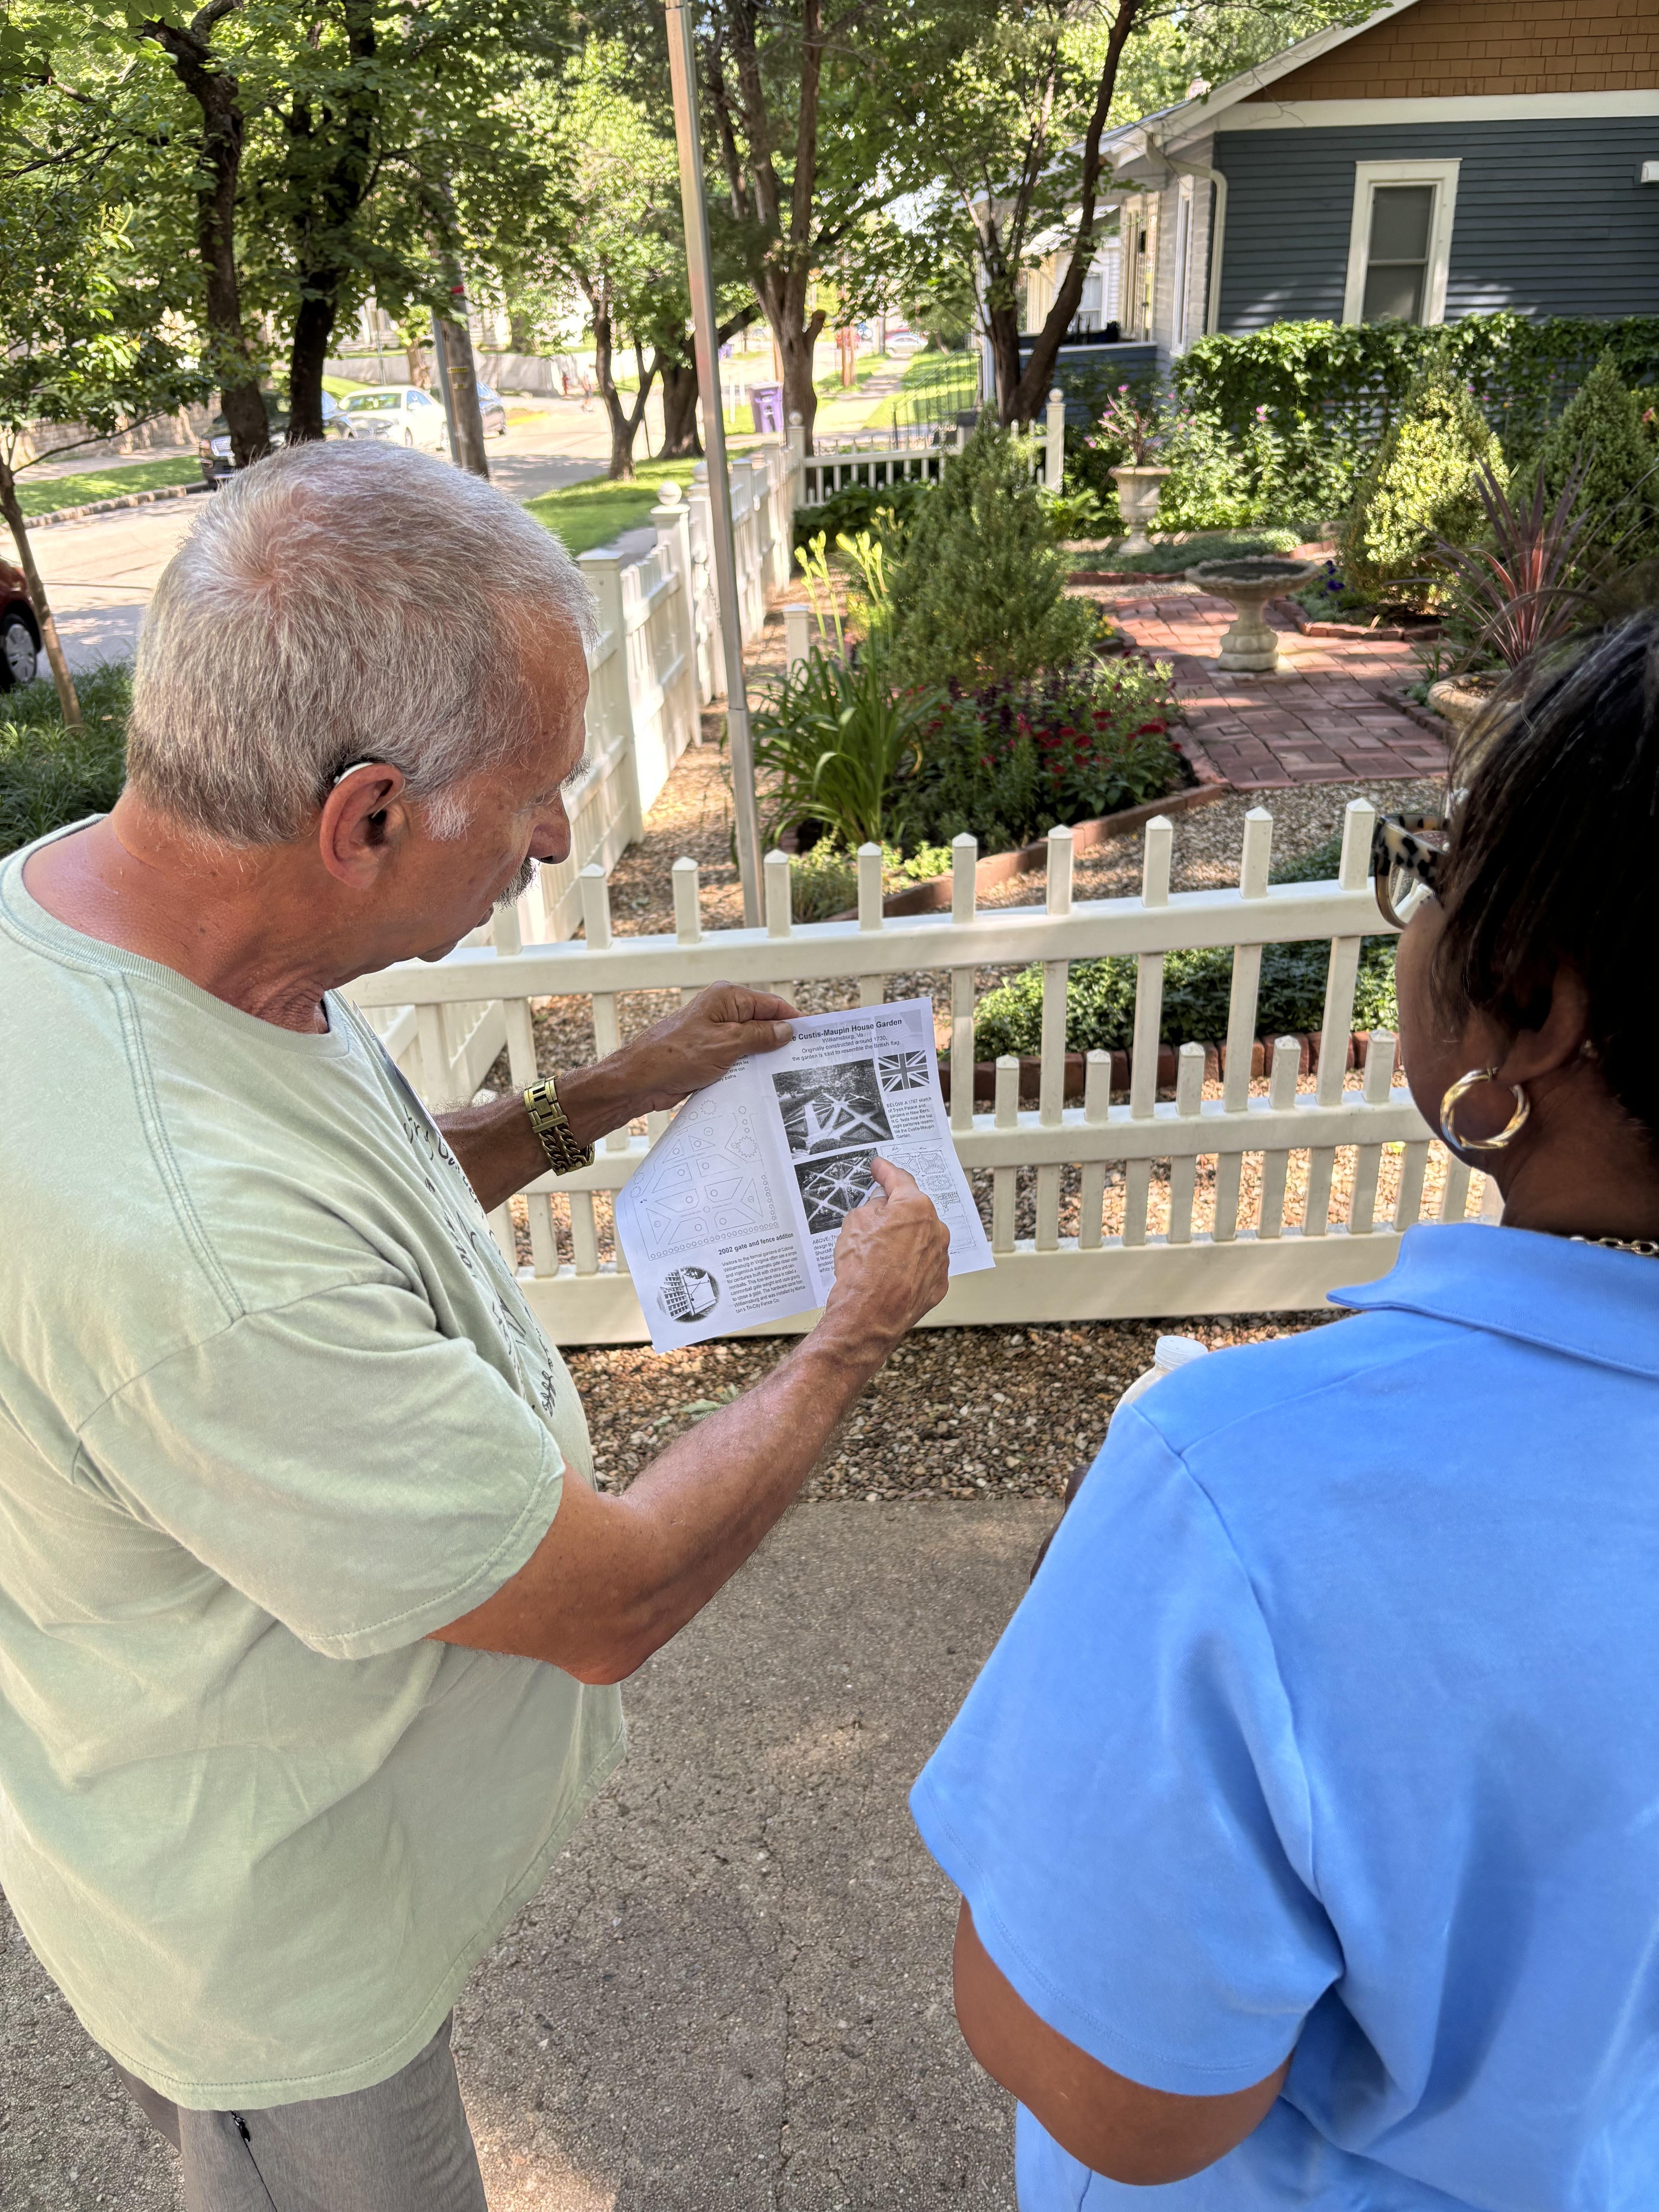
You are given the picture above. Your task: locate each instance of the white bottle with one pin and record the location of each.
(1169, 1353)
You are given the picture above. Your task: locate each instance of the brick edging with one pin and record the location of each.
(1384, 633)
(1424, 717)
(90, 509)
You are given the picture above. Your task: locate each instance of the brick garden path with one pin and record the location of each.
(1330, 713)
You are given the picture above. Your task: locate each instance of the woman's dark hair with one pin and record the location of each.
(1554, 854)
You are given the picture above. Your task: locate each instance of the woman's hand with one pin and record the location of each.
(685, 1052)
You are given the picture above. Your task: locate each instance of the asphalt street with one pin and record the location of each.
(733, 1992)
(100, 574)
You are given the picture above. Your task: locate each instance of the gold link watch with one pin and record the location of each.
(564, 1154)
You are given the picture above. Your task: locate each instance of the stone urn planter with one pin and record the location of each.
(1137, 496)
(1250, 647)
(1458, 699)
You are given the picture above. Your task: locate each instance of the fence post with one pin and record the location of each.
(711, 649)
(672, 521)
(780, 481)
(797, 635)
(795, 440)
(609, 702)
(1053, 459)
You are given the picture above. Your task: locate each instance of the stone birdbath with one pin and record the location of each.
(1249, 581)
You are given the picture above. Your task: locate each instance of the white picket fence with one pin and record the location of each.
(1248, 1258)
(906, 453)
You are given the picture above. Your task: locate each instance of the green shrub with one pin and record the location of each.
(824, 880)
(889, 508)
(1008, 763)
(1100, 996)
(50, 775)
(1601, 431)
(978, 593)
(1422, 487)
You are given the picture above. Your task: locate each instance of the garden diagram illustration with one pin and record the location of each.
(830, 1189)
(902, 1071)
(704, 1182)
(825, 1109)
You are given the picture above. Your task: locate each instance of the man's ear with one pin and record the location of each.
(361, 822)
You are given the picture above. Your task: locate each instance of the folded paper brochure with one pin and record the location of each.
(730, 1218)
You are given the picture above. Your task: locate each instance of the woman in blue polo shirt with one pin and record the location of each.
(1306, 1817)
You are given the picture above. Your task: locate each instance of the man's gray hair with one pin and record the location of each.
(335, 602)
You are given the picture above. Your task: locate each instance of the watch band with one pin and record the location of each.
(564, 1154)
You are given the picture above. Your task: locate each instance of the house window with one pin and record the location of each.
(1400, 241)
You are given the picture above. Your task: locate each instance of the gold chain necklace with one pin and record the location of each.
(1646, 1247)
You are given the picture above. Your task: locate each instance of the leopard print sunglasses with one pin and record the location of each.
(1407, 851)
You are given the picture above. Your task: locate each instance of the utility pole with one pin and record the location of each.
(699, 262)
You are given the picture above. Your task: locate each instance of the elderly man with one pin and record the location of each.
(310, 1615)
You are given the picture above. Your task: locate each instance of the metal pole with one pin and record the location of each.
(682, 62)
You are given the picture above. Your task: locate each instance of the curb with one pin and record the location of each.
(91, 509)
(1215, 1066)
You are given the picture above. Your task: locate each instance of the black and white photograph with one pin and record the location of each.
(825, 1109)
(689, 1294)
(830, 1189)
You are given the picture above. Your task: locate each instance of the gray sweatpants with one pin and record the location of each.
(403, 2146)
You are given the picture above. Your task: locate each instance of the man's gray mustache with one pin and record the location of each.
(519, 884)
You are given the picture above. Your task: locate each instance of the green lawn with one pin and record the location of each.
(935, 384)
(589, 514)
(45, 495)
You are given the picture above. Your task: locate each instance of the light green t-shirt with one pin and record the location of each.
(273, 1408)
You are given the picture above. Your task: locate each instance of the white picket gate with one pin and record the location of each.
(912, 454)
(1234, 1264)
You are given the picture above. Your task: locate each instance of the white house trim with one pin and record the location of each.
(1494, 107)
(1443, 175)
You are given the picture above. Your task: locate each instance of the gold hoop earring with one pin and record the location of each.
(1459, 1091)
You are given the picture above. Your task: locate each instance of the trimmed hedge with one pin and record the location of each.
(1330, 390)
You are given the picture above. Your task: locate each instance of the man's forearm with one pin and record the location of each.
(629, 1573)
(499, 1150)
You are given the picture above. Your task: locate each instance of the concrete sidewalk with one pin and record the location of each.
(733, 1993)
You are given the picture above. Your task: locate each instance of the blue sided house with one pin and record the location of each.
(1445, 158)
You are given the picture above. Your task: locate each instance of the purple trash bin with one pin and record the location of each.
(766, 408)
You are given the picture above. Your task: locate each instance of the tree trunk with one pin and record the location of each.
(313, 328)
(216, 91)
(796, 341)
(679, 411)
(68, 704)
(464, 393)
(1003, 331)
(1030, 393)
(419, 375)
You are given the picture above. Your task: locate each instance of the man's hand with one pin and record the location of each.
(615, 1577)
(891, 1262)
(683, 1052)
(499, 1152)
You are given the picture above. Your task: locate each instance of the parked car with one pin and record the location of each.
(400, 412)
(20, 633)
(903, 342)
(214, 451)
(493, 408)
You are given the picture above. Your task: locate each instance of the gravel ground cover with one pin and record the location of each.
(956, 1412)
